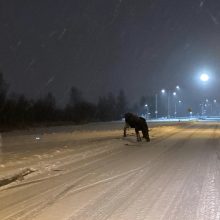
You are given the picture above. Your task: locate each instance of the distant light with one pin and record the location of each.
(207, 100)
(146, 105)
(180, 101)
(214, 101)
(163, 91)
(174, 93)
(177, 87)
(204, 77)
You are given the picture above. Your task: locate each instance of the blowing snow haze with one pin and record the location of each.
(104, 46)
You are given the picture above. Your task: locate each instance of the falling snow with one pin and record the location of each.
(50, 80)
(32, 62)
(116, 11)
(87, 37)
(214, 19)
(52, 34)
(202, 3)
(62, 34)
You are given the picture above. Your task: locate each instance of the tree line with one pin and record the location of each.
(19, 111)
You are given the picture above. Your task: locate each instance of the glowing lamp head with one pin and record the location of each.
(163, 91)
(204, 77)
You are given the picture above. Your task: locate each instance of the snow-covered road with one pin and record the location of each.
(97, 174)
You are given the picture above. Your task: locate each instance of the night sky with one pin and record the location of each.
(103, 46)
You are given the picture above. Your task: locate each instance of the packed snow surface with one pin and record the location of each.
(92, 172)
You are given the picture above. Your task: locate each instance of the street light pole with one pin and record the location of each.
(202, 109)
(168, 104)
(175, 109)
(146, 105)
(214, 108)
(156, 112)
(174, 95)
(169, 101)
(178, 107)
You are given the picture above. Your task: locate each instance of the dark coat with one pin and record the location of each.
(138, 123)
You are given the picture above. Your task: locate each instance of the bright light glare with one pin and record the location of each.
(163, 91)
(177, 87)
(174, 93)
(204, 77)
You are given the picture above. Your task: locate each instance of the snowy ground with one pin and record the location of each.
(92, 172)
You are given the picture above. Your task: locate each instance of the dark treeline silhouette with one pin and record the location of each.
(16, 111)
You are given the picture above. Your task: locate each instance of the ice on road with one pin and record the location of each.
(97, 174)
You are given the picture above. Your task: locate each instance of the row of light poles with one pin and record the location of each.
(163, 92)
(204, 77)
(174, 94)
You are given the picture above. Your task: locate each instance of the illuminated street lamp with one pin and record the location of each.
(204, 77)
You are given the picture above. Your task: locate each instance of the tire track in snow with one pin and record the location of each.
(148, 190)
(166, 152)
(78, 156)
(120, 180)
(58, 184)
(101, 158)
(83, 188)
(31, 209)
(209, 204)
(127, 193)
